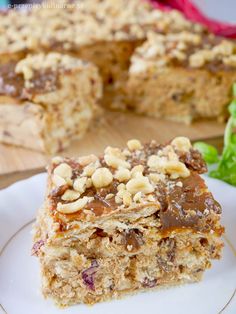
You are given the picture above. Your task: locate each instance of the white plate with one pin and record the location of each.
(19, 272)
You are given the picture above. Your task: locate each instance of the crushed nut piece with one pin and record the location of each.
(122, 174)
(176, 169)
(70, 195)
(102, 177)
(121, 187)
(126, 197)
(64, 171)
(109, 196)
(58, 181)
(139, 184)
(70, 208)
(80, 184)
(181, 143)
(91, 168)
(154, 162)
(134, 144)
(138, 197)
(116, 162)
(155, 177)
(118, 200)
(137, 171)
(86, 160)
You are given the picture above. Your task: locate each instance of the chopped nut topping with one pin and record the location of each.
(156, 177)
(95, 21)
(113, 151)
(137, 171)
(121, 187)
(122, 175)
(125, 196)
(102, 177)
(118, 199)
(80, 184)
(91, 168)
(139, 184)
(134, 145)
(53, 61)
(154, 162)
(86, 160)
(197, 60)
(57, 180)
(138, 197)
(64, 171)
(71, 208)
(70, 195)
(225, 48)
(176, 169)
(109, 196)
(116, 162)
(186, 48)
(142, 182)
(181, 143)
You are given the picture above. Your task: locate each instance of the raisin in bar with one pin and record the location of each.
(131, 220)
(46, 100)
(183, 76)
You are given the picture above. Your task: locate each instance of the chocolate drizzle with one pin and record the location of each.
(13, 84)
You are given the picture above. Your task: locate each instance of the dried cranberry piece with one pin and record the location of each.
(36, 247)
(88, 275)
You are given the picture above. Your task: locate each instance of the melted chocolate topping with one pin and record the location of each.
(13, 84)
(184, 202)
(186, 206)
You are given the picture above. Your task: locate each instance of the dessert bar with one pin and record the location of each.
(46, 100)
(132, 220)
(105, 33)
(182, 76)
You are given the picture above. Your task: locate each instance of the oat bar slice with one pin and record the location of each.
(46, 100)
(182, 76)
(131, 220)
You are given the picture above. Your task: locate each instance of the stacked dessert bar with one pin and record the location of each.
(134, 219)
(182, 76)
(151, 62)
(105, 33)
(46, 100)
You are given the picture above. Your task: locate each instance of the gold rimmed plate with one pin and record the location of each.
(20, 278)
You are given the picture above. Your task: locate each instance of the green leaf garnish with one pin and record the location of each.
(209, 152)
(226, 163)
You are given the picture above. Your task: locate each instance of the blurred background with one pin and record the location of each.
(222, 10)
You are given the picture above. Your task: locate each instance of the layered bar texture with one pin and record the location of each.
(182, 76)
(132, 220)
(105, 33)
(46, 100)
